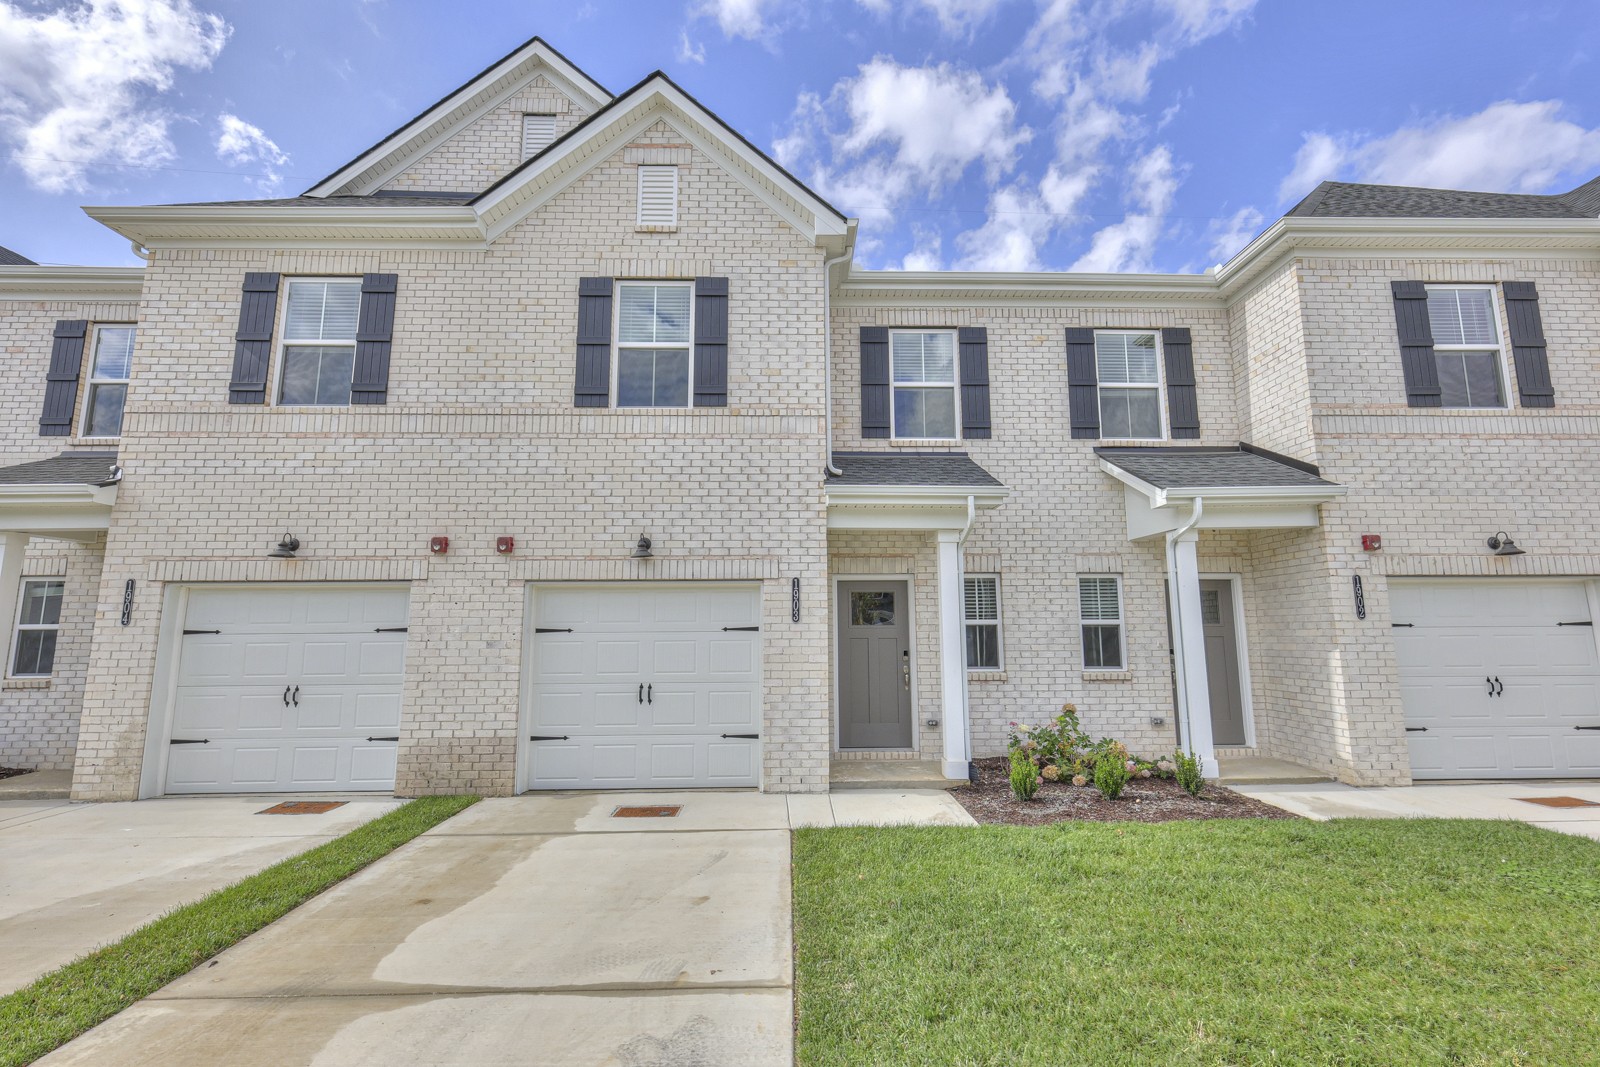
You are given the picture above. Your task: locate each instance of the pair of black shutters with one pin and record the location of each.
(1524, 325)
(258, 311)
(592, 380)
(877, 390)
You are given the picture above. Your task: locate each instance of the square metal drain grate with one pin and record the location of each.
(1560, 802)
(302, 807)
(660, 811)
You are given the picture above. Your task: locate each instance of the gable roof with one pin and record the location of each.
(482, 92)
(1180, 467)
(9, 258)
(943, 469)
(1350, 200)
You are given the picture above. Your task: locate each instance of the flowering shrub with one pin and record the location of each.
(1056, 743)
(1060, 751)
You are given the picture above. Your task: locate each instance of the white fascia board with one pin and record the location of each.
(70, 283)
(177, 226)
(895, 499)
(70, 511)
(1156, 496)
(878, 287)
(1144, 520)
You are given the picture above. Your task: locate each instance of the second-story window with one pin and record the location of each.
(1466, 346)
(1128, 364)
(923, 369)
(108, 381)
(319, 341)
(653, 344)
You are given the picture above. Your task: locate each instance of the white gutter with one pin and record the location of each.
(1177, 617)
(827, 360)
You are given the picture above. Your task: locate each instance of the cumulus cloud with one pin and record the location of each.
(1127, 245)
(955, 17)
(78, 86)
(750, 19)
(689, 51)
(1229, 235)
(1507, 147)
(1021, 218)
(240, 142)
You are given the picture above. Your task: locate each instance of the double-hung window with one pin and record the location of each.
(319, 341)
(1100, 617)
(109, 367)
(654, 349)
(1466, 346)
(1128, 366)
(38, 622)
(923, 367)
(983, 622)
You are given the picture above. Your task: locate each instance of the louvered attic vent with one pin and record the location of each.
(537, 133)
(658, 196)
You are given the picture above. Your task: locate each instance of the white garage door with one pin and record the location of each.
(1499, 679)
(643, 687)
(288, 688)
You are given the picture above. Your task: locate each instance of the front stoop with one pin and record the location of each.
(1264, 770)
(888, 774)
(37, 785)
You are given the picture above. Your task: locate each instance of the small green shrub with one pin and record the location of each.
(1189, 775)
(1110, 774)
(1024, 775)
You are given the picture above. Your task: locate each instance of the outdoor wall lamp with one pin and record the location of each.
(1503, 545)
(286, 547)
(642, 549)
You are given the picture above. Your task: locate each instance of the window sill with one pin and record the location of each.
(25, 683)
(1125, 442)
(924, 442)
(655, 229)
(987, 676)
(1108, 676)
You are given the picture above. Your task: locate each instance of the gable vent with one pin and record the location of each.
(658, 196)
(537, 133)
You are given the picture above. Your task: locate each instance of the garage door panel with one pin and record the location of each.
(614, 709)
(288, 609)
(732, 709)
(372, 765)
(675, 710)
(731, 762)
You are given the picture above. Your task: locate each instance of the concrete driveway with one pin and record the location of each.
(76, 876)
(1446, 800)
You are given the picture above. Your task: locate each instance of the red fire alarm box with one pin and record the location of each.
(504, 545)
(439, 545)
(1371, 542)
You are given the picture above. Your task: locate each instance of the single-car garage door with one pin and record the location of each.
(288, 688)
(1499, 678)
(643, 686)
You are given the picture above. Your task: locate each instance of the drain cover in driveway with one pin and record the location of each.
(1560, 802)
(302, 807)
(663, 811)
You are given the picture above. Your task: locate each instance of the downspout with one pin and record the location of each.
(827, 359)
(1177, 618)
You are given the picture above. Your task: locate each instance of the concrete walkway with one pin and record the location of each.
(76, 876)
(531, 930)
(1448, 800)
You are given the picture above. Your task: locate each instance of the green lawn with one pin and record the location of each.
(1382, 942)
(66, 1002)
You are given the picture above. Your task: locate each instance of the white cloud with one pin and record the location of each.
(1126, 245)
(1233, 233)
(1507, 147)
(1021, 219)
(688, 51)
(927, 249)
(240, 142)
(77, 84)
(740, 18)
(956, 17)
(1196, 20)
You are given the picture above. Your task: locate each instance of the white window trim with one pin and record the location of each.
(1120, 622)
(526, 115)
(282, 342)
(1160, 385)
(90, 381)
(998, 622)
(1499, 347)
(639, 219)
(617, 344)
(954, 386)
(18, 626)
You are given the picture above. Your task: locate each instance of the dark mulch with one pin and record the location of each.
(12, 772)
(1144, 800)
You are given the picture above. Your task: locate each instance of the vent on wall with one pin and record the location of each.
(658, 196)
(537, 133)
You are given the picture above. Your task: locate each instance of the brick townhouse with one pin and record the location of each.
(557, 442)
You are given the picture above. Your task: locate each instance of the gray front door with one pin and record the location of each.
(1222, 663)
(874, 665)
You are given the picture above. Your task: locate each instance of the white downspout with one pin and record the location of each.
(1186, 735)
(827, 358)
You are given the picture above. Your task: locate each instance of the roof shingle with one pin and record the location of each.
(69, 468)
(1210, 468)
(1349, 200)
(937, 469)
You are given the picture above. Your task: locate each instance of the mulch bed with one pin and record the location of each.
(1144, 800)
(12, 772)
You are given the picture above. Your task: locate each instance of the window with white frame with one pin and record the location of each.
(318, 341)
(38, 623)
(537, 133)
(1100, 617)
(109, 366)
(654, 349)
(923, 371)
(983, 622)
(1128, 365)
(658, 196)
(1466, 346)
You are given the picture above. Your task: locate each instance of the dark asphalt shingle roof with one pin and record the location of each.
(9, 258)
(69, 468)
(1349, 200)
(1209, 468)
(938, 469)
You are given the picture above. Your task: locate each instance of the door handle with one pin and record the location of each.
(650, 693)
(1499, 686)
(905, 670)
(297, 696)
(641, 692)
(285, 696)
(1490, 683)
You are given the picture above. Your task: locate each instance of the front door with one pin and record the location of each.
(874, 665)
(1222, 664)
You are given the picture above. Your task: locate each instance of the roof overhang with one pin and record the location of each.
(308, 225)
(909, 507)
(69, 511)
(34, 282)
(1152, 510)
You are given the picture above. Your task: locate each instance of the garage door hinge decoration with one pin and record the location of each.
(552, 629)
(741, 629)
(392, 630)
(746, 737)
(548, 737)
(190, 741)
(186, 633)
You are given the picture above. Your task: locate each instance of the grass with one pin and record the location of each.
(1355, 942)
(66, 1002)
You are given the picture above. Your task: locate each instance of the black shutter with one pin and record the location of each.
(874, 381)
(1183, 411)
(592, 386)
(374, 336)
(711, 342)
(252, 349)
(1083, 384)
(1527, 345)
(61, 380)
(974, 342)
(1416, 344)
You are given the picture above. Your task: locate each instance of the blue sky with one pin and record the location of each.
(976, 134)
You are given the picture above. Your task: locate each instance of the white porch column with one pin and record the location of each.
(1195, 722)
(953, 658)
(15, 549)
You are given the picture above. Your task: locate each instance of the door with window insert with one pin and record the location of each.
(874, 665)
